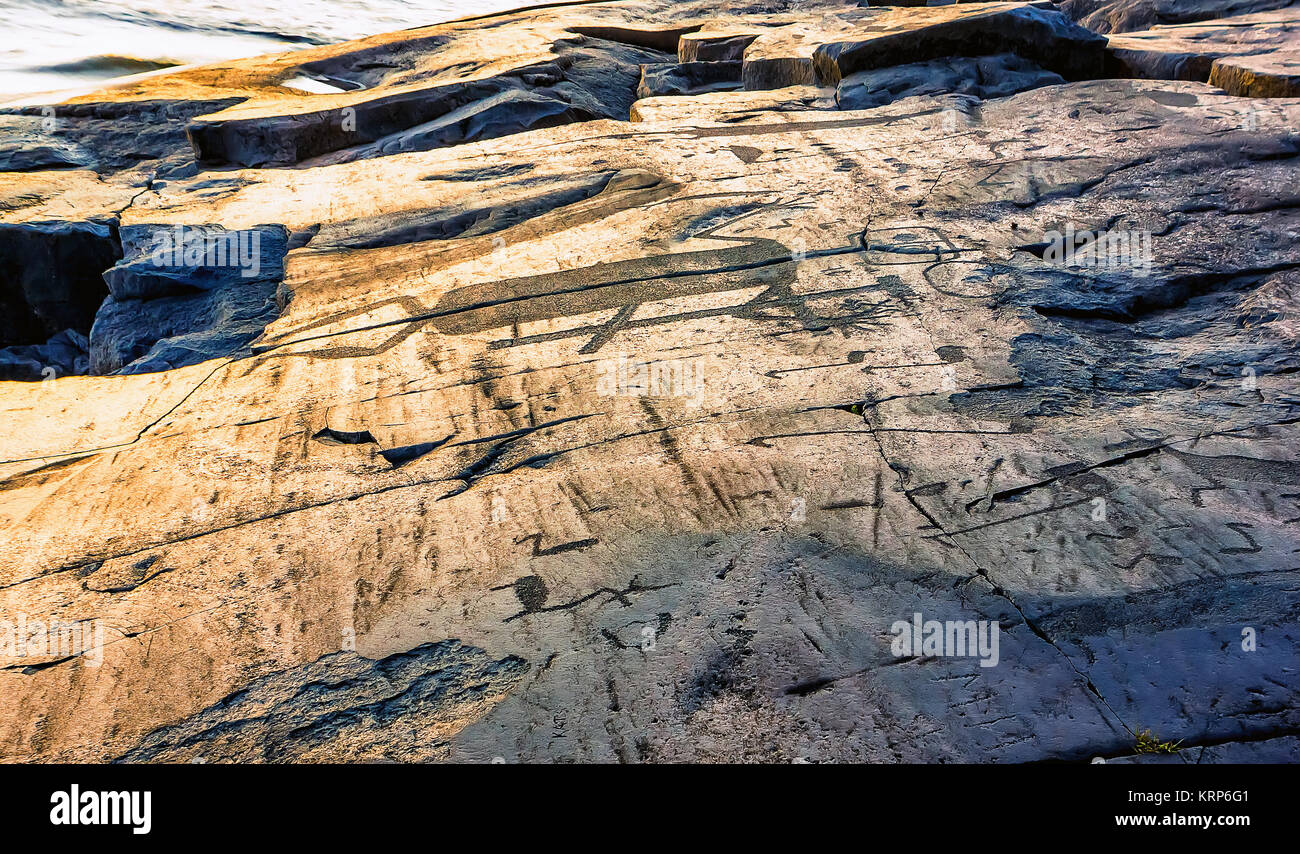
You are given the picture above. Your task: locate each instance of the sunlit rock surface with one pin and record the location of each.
(588, 404)
(1256, 55)
(1122, 16)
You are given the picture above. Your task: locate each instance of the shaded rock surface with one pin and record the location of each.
(104, 136)
(1270, 76)
(67, 352)
(1195, 51)
(710, 45)
(688, 78)
(982, 77)
(50, 277)
(1122, 16)
(1043, 36)
(633, 437)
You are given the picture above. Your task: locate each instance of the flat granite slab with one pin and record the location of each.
(636, 437)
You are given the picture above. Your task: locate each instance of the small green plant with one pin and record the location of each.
(1148, 743)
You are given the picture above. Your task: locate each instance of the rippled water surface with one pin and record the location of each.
(57, 44)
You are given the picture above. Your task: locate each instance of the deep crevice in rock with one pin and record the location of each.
(96, 298)
(51, 285)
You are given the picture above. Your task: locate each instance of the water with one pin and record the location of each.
(74, 44)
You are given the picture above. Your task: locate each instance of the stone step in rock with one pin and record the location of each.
(729, 427)
(105, 136)
(1275, 75)
(585, 78)
(901, 36)
(1189, 51)
(688, 78)
(62, 355)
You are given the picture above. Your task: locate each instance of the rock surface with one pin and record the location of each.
(1122, 16)
(905, 35)
(981, 77)
(1203, 51)
(688, 78)
(562, 425)
(1271, 76)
